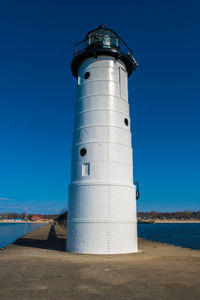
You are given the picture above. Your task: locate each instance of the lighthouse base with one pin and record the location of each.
(102, 219)
(104, 241)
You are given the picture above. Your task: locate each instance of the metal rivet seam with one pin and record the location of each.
(93, 95)
(97, 142)
(103, 125)
(92, 183)
(100, 109)
(105, 161)
(76, 220)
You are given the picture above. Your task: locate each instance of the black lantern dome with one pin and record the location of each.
(103, 41)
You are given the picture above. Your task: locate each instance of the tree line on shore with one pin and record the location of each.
(23, 215)
(178, 215)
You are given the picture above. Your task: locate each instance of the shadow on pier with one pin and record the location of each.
(37, 239)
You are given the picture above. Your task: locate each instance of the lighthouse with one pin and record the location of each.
(102, 195)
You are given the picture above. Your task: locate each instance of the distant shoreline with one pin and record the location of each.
(168, 221)
(148, 221)
(25, 222)
(177, 221)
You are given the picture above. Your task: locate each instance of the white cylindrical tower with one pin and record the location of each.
(102, 197)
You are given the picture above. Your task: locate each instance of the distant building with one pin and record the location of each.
(36, 217)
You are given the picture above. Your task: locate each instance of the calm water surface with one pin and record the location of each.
(178, 234)
(185, 235)
(10, 232)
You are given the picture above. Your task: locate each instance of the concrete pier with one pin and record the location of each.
(36, 266)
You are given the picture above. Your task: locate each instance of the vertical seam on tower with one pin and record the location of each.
(120, 93)
(108, 220)
(107, 194)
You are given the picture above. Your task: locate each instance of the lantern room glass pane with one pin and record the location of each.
(102, 38)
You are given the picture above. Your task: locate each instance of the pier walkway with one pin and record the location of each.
(36, 266)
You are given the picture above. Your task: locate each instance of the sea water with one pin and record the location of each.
(179, 234)
(10, 232)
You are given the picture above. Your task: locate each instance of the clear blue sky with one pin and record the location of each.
(37, 97)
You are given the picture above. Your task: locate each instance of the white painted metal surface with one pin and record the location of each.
(102, 197)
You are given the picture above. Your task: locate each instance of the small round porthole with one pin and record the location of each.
(126, 121)
(86, 75)
(83, 151)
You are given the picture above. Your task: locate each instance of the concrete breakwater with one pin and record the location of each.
(36, 266)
